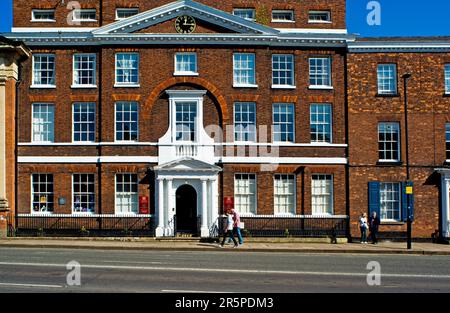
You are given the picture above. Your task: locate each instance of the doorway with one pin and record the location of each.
(186, 210)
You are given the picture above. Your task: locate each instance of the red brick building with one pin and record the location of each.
(378, 160)
(183, 103)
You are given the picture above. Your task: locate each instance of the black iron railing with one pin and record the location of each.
(295, 226)
(83, 225)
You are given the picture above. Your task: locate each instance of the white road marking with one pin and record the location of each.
(134, 262)
(30, 285)
(192, 291)
(228, 271)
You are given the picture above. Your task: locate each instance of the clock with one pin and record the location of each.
(185, 24)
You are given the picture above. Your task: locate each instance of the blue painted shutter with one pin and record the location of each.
(411, 202)
(403, 202)
(374, 198)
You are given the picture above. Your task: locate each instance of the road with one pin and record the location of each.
(44, 270)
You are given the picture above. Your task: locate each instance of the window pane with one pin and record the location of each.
(283, 70)
(390, 201)
(42, 193)
(127, 121)
(389, 141)
(84, 69)
(320, 71)
(248, 14)
(282, 16)
(44, 69)
(186, 119)
(387, 79)
(123, 13)
(245, 121)
(186, 63)
(244, 69)
(127, 68)
(43, 122)
(127, 196)
(84, 122)
(321, 123)
(322, 194)
(284, 194)
(283, 122)
(245, 193)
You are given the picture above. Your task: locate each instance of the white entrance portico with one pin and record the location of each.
(445, 201)
(170, 177)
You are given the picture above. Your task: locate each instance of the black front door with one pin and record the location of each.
(186, 209)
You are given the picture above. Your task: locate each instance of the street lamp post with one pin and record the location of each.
(406, 77)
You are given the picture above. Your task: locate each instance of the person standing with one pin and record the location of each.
(374, 224)
(237, 225)
(363, 226)
(229, 230)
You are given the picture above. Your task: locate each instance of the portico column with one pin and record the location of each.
(160, 212)
(445, 206)
(171, 226)
(204, 231)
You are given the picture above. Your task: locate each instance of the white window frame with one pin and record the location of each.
(125, 84)
(46, 193)
(236, 10)
(317, 74)
(33, 82)
(292, 62)
(195, 122)
(399, 190)
(292, 20)
(52, 123)
(285, 177)
(327, 105)
(246, 130)
(116, 194)
(185, 73)
(94, 74)
(397, 126)
(83, 193)
(115, 122)
(381, 79)
(126, 9)
(447, 141)
(331, 195)
(75, 18)
(447, 78)
(255, 196)
(328, 13)
(83, 122)
(248, 84)
(49, 20)
(292, 105)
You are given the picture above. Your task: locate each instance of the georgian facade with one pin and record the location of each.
(183, 103)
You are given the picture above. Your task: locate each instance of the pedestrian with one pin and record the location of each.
(363, 226)
(229, 230)
(237, 225)
(374, 223)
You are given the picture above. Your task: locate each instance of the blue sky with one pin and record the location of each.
(398, 17)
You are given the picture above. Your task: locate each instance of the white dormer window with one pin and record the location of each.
(43, 16)
(186, 64)
(282, 16)
(123, 13)
(84, 15)
(248, 14)
(319, 17)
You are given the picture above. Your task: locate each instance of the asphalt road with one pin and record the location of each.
(44, 270)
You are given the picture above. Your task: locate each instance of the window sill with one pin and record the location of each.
(42, 87)
(387, 95)
(320, 88)
(282, 21)
(319, 22)
(43, 21)
(127, 85)
(283, 87)
(244, 86)
(85, 21)
(186, 74)
(447, 94)
(83, 86)
(389, 163)
(391, 223)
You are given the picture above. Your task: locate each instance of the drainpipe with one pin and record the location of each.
(16, 145)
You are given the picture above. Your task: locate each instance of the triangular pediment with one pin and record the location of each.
(187, 165)
(203, 13)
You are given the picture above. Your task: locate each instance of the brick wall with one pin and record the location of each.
(22, 11)
(428, 111)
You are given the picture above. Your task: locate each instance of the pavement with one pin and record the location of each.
(250, 245)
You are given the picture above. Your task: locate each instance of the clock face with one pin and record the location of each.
(185, 24)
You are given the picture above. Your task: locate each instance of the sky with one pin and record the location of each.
(395, 17)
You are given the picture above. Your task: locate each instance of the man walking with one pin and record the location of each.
(374, 223)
